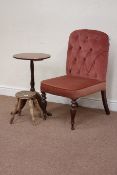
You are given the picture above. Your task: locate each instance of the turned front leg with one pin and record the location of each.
(73, 112)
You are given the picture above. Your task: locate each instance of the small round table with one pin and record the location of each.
(33, 57)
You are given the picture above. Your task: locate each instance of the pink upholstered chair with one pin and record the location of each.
(86, 67)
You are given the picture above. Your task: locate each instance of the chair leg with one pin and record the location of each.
(104, 100)
(73, 110)
(44, 105)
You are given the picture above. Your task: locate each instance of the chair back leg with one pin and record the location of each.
(104, 100)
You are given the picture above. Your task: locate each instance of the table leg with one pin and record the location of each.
(23, 102)
(18, 107)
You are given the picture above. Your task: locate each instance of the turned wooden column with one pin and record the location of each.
(73, 110)
(32, 82)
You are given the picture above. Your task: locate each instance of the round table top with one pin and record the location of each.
(31, 56)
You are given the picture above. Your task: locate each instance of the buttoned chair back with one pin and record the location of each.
(87, 54)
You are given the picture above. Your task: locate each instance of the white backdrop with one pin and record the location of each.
(44, 26)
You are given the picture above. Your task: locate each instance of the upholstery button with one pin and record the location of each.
(91, 49)
(84, 59)
(70, 71)
(75, 59)
(80, 48)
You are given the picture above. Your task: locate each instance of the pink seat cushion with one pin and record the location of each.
(72, 86)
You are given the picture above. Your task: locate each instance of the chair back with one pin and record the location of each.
(87, 54)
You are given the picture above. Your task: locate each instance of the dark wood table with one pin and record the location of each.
(33, 57)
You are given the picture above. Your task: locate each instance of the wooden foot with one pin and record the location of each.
(104, 100)
(73, 112)
(48, 113)
(11, 120)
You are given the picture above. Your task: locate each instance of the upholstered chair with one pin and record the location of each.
(86, 68)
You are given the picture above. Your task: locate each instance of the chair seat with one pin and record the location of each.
(72, 86)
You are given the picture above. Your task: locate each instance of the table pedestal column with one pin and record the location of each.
(32, 82)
